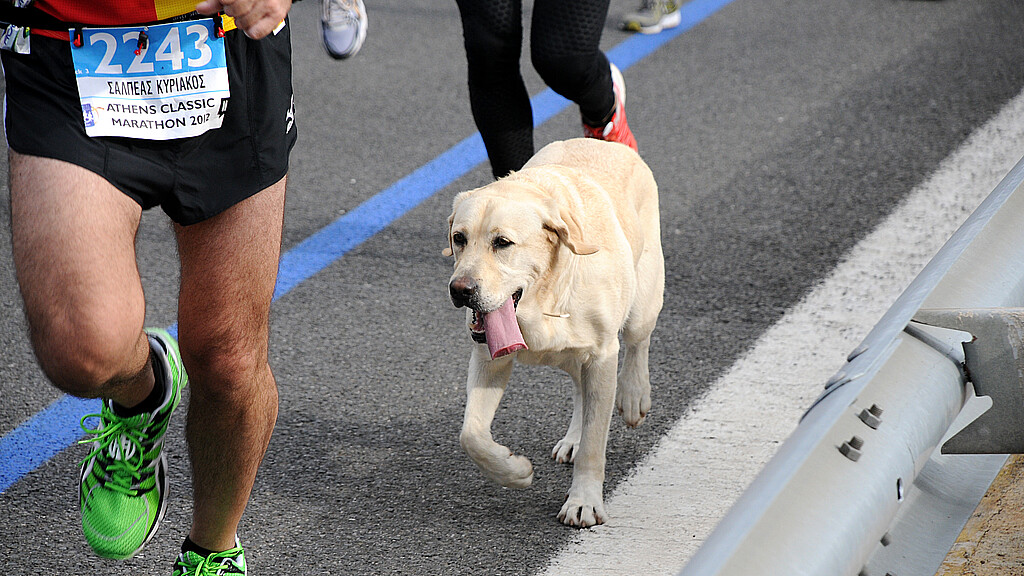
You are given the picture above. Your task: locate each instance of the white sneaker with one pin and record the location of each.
(344, 27)
(653, 17)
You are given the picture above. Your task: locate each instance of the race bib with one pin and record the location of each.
(152, 82)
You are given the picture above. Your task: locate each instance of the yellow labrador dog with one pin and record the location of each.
(553, 262)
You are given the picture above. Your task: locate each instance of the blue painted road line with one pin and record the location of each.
(53, 429)
(337, 238)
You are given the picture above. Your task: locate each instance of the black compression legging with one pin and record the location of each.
(564, 50)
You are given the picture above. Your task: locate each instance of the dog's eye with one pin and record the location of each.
(459, 239)
(501, 242)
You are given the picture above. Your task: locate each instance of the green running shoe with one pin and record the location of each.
(653, 17)
(230, 561)
(122, 492)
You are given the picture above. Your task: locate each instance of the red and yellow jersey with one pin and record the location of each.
(115, 12)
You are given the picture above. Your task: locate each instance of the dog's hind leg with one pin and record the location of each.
(633, 394)
(565, 450)
(484, 388)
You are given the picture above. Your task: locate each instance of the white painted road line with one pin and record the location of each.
(663, 512)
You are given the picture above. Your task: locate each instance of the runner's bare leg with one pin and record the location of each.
(228, 270)
(73, 239)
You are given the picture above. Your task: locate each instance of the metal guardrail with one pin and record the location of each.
(859, 488)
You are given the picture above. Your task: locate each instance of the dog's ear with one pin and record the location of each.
(451, 220)
(449, 250)
(564, 224)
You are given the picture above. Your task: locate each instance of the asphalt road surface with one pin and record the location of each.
(781, 132)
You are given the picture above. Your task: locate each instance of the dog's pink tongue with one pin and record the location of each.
(502, 331)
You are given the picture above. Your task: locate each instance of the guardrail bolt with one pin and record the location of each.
(886, 540)
(852, 447)
(872, 416)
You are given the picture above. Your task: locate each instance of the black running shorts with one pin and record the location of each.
(192, 179)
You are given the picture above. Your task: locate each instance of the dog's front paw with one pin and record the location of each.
(512, 472)
(633, 403)
(582, 514)
(565, 451)
(497, 462)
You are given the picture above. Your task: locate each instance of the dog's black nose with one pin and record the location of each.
(462, 291)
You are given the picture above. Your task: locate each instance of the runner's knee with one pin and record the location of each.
(224, 365)
(86, 361)
(566, 74)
